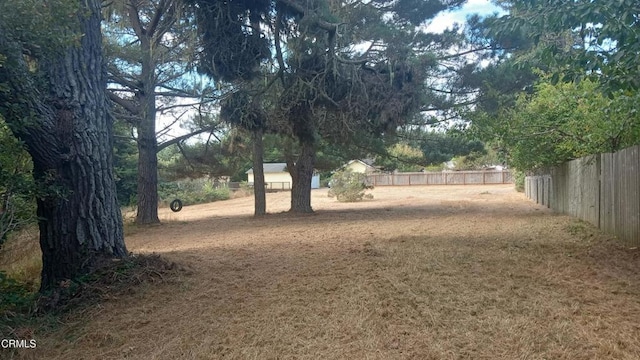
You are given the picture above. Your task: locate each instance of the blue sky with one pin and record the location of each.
(448, 18)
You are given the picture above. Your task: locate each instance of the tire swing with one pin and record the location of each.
(176, 205)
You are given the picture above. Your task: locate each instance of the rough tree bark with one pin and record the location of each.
(258, 173)
(301, 176)
(70, 141)
(147, 142)
(147, 149)
(147, 175)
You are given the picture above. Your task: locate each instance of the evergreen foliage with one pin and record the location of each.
(125, 162)
(17, 188)
(315, 85)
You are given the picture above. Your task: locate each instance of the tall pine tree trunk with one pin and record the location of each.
(147, 175)
(258, 173)
(70, 141)
(147, 172)
(147, 141)
(301, 175)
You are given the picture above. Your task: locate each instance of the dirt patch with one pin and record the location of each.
(440, 272)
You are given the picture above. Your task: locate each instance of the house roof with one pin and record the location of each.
(365, 162)
(271, 168)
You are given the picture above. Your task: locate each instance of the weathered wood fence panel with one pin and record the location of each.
(538, 189)
(601, 189)
(620, 194)
(441, 178)
(277, 185)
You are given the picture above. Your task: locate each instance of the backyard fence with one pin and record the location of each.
(602, 189)
(273, 186)
(441, 178)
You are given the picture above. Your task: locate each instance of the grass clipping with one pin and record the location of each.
(109, 279)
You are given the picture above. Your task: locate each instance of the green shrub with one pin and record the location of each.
(17, 187)
(348, 186)
(518, 179)
(191, 192)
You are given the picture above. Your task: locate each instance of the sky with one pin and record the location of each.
(446, 19)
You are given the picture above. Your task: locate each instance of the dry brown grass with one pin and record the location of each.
(21, 258)
(417, 273)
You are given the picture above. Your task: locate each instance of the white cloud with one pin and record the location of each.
(447, 19)
(443, 22)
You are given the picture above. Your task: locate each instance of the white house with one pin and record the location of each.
(360, 166)
(276, 177)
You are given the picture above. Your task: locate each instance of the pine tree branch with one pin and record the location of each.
(179, 139)
(128, 105)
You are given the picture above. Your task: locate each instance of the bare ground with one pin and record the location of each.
(457, 272)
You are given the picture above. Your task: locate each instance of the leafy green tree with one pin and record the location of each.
(441, 146)
(592, 44)
(580, 39)
(402, 157)
(477, 160)
(562, 122)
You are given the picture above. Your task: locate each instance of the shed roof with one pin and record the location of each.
(271, 168)
(366, 162)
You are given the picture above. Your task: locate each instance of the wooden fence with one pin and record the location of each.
(441, 178)
(274, 186)
(602, 189)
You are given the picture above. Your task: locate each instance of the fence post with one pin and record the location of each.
(599, 173)
(550, 190)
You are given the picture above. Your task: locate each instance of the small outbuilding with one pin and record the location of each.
(276, 177)
(360, 166)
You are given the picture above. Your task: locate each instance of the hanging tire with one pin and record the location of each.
(176, 205)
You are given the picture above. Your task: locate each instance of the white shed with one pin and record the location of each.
(276, 177)
(360, 166)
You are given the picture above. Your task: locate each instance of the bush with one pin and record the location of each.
(191, 192)
(17, 187)
(348, 186)
(518, 179)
